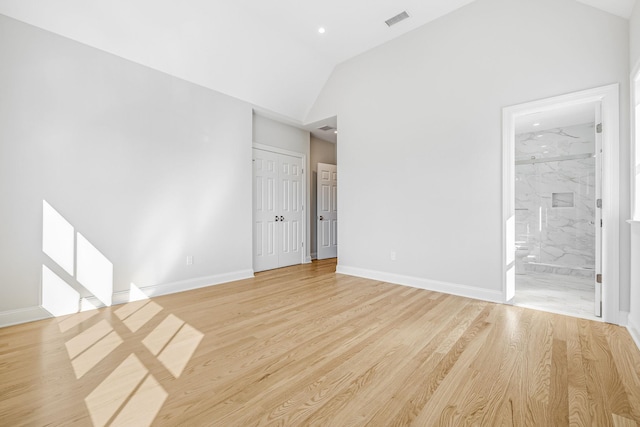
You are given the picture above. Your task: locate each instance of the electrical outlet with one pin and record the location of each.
(189, 260)
(393, 255)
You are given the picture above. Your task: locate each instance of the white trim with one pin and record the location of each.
(30, 314)
(609, 99)
(633, 318)
(561, 312)
(623, 320)
(634, 331)
(314, 255)
(634, 130)
(23, 315)
(278, 150)
(304, 259)
(185, 285)
(420, 283)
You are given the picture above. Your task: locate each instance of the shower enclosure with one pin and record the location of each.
(555, 200)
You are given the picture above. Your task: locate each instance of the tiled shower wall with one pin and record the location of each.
(555, 199)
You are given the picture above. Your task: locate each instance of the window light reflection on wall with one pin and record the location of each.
(80, 260)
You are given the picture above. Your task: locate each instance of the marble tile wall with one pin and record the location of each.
(555, 200)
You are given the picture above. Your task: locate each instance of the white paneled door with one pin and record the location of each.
(327, 235)
(277, 210)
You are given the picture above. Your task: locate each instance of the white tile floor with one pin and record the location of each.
(556, 293)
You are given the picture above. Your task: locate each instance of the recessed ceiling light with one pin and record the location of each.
(335, 131)
(536, 124)
(321, 30)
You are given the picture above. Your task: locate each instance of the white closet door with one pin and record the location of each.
(291, 215)
(265, 210)
(277, 210)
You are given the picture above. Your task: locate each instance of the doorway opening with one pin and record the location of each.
(557, 188)
(323, 219)
(560, 204)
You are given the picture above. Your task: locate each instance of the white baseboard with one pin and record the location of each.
(23, 315)
(634, 330)
(623, 318)
(30, 314)
(418, 282)
(308, 259)
(314, 255)
(187, 285)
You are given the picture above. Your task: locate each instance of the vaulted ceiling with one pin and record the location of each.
(268, 53)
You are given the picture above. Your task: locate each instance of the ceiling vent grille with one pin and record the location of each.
(326, 128)
(399, 17)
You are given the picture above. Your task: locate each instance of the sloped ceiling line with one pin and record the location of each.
(269, 54)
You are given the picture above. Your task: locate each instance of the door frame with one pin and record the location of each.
(635, 146)
(608, 97)
(304, 259)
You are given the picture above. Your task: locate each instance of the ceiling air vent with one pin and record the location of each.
(399, 17)
(326, 128)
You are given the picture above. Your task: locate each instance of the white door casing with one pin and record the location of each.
(327, 211)
(278, 219)
(597, 311)
(608, 98)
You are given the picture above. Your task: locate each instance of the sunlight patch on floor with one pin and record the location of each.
(138, 319)
(73, 320)
(162, 334)
(179, 351)
(87, 338)
(95, 354)
(107, 398)
(143, 407)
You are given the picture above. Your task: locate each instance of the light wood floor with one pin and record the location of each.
(306, 346)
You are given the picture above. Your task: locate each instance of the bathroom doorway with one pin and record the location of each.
(555, 231)
(557, 219)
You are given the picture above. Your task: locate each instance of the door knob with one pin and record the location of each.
(281, 218)
(321, 218)
(277, 218)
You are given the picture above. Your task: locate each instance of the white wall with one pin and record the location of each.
(634, 309)
(321, 152)
(199, 41)
(634, 33)
(420, 134)
(276, 134)
(149, 168)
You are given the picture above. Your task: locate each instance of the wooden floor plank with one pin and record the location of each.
(306, 346)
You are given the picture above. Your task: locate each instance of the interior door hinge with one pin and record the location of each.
(599, 203)
(600, 223)
(599, 278)
(599, 128)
